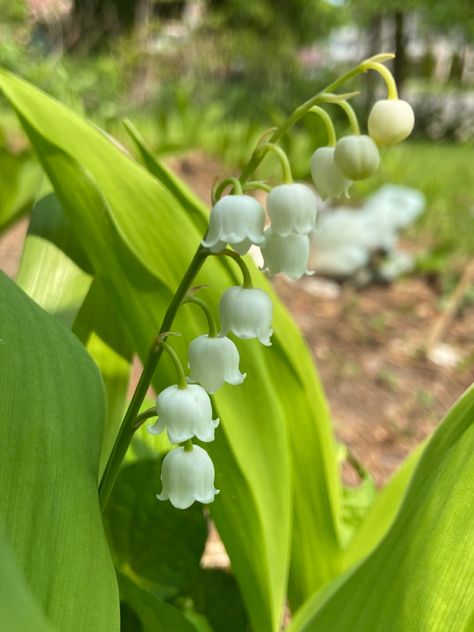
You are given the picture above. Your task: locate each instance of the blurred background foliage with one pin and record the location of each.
(211, 75)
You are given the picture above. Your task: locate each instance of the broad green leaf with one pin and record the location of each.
(160, 546)
(142, 611)
(53, 270)
(316, 555)
(420, 575)
(216, 595)
(21, 176)
(193, 206)
(108, 343)
(19, 610)
(51, 424)
(382, 511)
(355, 504)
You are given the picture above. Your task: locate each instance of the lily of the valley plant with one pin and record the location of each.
(239, 424)
(237, 220)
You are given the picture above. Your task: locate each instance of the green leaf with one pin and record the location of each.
(108, 343)
(420, 575)
(56, 273)
(159, 545)
(21, 176)
(53, 270)
(216, 595)
(142, 611)
(316, 555)
(356, 501)
(51, 424)
(382, 511)
(19, 610)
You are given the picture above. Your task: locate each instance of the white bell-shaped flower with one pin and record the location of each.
(390, 121)
(213, 361)
(185, 413)
(286, 254)
(247, 313)
(292, 209)
(357, 156)
(236, 220)
(327, 177)
(187, 476)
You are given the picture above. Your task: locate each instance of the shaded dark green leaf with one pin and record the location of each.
(142, 611)
(159, 544)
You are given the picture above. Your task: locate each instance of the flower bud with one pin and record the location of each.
(292, 209)
(247, 313)
(286, 254)
(390, 122)
(187, 476)
(236, 220)
(356, 156)
(327, 177)
(213, 361)
(186, 413)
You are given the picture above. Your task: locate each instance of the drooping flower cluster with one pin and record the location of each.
(238, 220)
(185, 409)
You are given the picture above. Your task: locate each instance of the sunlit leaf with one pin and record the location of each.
(382, 511)
(21, 176)
(420, 575)
(53, 269)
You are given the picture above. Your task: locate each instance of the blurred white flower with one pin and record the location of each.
(236, 220)
(390, 121)
(187, 476)
(213, 361)
(185, 413)
(247, 313)
(357, 156)
(327, 177)
(292, 209)
(286, 254)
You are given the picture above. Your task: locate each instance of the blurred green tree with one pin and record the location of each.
(437, 15)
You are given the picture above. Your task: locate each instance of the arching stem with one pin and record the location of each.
(324, 116)
(207, 312)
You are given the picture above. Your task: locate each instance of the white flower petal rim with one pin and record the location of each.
(187, 476)
(247, 313)
(288, 255)
(292, 208)
(236, 220)
(214, 361)
(185, 413)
